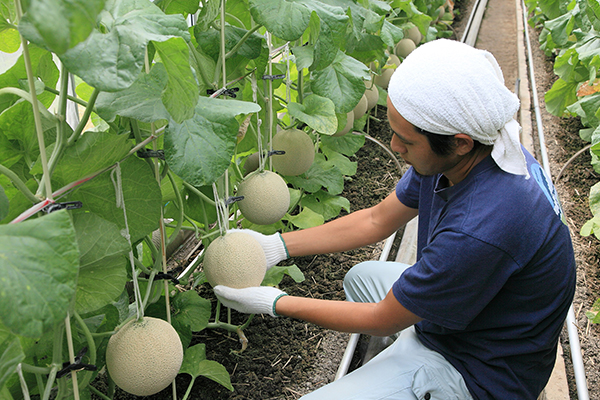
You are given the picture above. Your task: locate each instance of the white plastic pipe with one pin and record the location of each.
(353, 342)
(574, 344)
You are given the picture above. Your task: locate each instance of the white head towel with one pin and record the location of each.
(448, 87)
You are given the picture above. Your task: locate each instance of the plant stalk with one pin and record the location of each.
(19, 184)
(71, 355)
(84, 119)
(47, 193)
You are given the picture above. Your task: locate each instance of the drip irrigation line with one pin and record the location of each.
(570, 160)
(571, 321)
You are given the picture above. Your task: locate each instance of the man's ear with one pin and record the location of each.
(464, 144)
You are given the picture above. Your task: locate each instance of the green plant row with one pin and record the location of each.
(172, 99)
(571, 32)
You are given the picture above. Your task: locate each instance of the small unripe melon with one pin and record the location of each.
(414, 34)
(361, 108)
(266, 198)
(404, 47)
(236, 260)
(299, 152)
(372, 94)
(143, 357)
(346, 128)
(384, 79)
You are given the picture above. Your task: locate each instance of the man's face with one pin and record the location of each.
(414, 147)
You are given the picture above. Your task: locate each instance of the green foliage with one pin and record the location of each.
(570, 30)
(144, 79)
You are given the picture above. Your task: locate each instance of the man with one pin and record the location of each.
(480, 312)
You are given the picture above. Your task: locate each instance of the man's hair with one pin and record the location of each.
(443, 145)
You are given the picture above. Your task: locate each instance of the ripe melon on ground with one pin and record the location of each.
(266, 197)
(299, 152)
(143, 357)
(236, 260)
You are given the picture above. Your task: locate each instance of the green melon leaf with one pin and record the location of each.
(307, 218)
(195, 364)
(192, 310)
(59, 24)
(142, 100)
(342, 82)
(329, 206)
(181, 93)
(129, 25)
(91, 153)
(10, 41)
(321, 174)
(141, 193)
(317, 112)
(275, 274)
(103, 271)
(285, 19)
(11, 354)
(39, 267)
(199, 150)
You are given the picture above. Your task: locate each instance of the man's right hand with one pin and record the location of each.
(273, 246)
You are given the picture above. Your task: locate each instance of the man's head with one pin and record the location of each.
(448, 88)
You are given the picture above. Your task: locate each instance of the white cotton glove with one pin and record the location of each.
(273, 246)
(251, 300)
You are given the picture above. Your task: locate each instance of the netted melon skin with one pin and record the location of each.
(236, 260)
(266, 198)
(143, 357)
(299, 152)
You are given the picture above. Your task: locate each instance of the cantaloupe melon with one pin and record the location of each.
(346, 128)
(413, 34)
(266, 197)
(361, 108)
(143, 357)
(299, 152)
(251, 163)
(372, 94)
(236, 260)
(404, 47)
(393, 61)
(384, 79)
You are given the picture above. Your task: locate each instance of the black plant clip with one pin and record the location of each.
(223, 92)
(68, 205)
(77, 365)
(145, 153)
(162, 275)
(275, 153)
(273, 77)
(232, 199)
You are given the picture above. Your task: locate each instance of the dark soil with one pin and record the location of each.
(286, 358)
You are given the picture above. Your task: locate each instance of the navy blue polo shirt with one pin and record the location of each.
(494, 277)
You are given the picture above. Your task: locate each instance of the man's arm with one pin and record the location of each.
(378, 319)
(352, 231)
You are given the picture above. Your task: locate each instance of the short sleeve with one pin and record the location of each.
(408, 188)
(456, 277)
